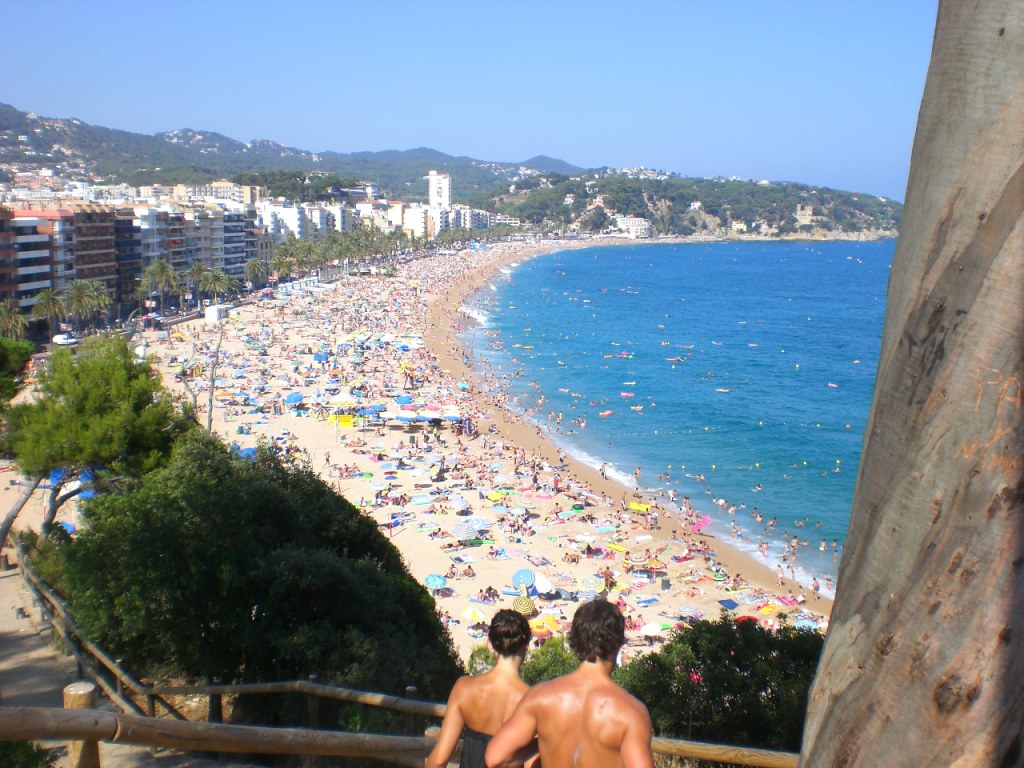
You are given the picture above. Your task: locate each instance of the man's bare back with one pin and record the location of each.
(584, 719)
(581, 719)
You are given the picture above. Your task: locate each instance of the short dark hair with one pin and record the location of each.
(598, 631)
(509, 633)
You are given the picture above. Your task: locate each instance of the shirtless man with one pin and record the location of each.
(582, 718)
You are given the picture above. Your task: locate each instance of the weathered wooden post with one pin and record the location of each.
(411, 721)
(313, 704)
(214, 709)
(82, 754)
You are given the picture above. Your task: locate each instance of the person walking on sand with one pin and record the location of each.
(480, 704)
(582, 718)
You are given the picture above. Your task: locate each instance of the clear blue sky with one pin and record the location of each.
(825, 93)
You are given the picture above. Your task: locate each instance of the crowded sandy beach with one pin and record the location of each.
(365, 379)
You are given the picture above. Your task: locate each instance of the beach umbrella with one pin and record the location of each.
(500, 509)
(480, 523)
(403, 400)
(523, 605)
(474, 615)
(458, 503)
(591, 583)
(435, 581)
(463, 532)
(523, 577)
(452, 417)
(293, 398)
(542, 585)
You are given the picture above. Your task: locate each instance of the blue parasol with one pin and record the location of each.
(523, 577)
(435, 581)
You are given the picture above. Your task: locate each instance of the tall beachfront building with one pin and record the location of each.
(439, 186)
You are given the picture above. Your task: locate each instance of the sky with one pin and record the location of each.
(818, 92)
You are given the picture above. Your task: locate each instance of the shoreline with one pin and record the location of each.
(425, 300)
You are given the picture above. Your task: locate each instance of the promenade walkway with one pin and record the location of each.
(33, 673)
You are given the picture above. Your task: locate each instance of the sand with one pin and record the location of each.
(414, 507)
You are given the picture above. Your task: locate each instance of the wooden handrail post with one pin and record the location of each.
(215, 710)
(313, 704)
(411, 721)
(117, 678)
(313, 715)
(82, 754)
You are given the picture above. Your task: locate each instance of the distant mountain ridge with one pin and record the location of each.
(540, 190)
(188, 155)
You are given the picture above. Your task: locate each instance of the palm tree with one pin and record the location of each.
(196, 274)
(255, 271)
(216, 282)
(159, 276)
(285, 256)
(78, 297)
(12, 322)
(50, 306)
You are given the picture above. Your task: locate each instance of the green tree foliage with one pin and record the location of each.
(220, 566)
(159, 276)
(300, 186)
(14, 356)
(102, 410)
(12, 322)
(25, 754)
(550, 660)
(49, 306)
(728, 682)
(596, 220)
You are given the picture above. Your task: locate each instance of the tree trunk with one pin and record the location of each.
(922, 663)
(22, 500)
(213, 381)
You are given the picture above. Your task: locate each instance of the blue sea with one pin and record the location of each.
(729, 371)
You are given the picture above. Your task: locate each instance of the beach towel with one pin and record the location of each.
(646, 601)
(729, 605)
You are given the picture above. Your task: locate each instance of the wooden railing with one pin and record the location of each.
(135, 725)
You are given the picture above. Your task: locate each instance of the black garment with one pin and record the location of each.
(474, 744)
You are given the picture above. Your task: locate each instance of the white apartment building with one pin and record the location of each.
(345, 219)
(281, 218)
(634, 226)
(439, 189)
(33, 259)
(416, 220)
(464, 217)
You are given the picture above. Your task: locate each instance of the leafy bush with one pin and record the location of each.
(25, 754)
(728, 682)
(218, 566)
(550, 660)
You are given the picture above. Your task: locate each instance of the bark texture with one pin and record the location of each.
(924, 661)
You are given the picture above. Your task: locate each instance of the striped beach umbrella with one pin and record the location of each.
(474, 615)
(523, 577)
(523, 605)
(591, 583)
(479, 523)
